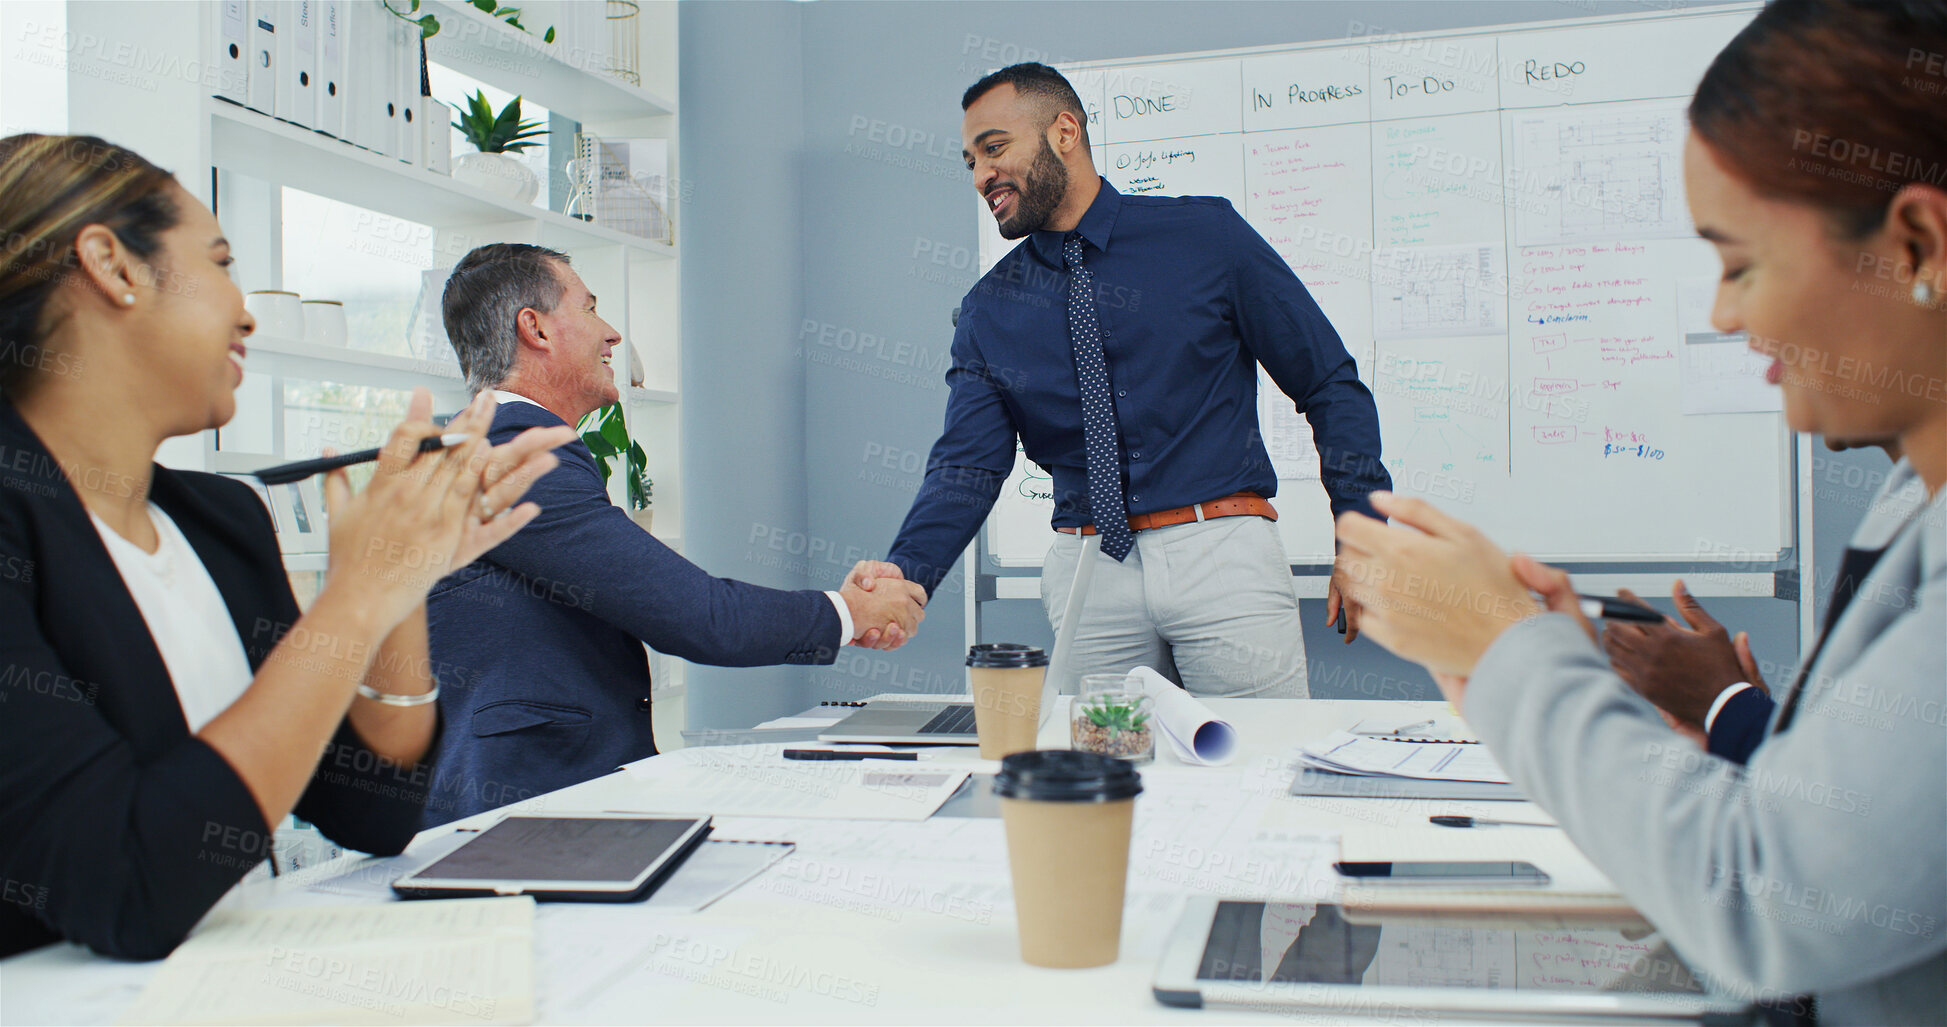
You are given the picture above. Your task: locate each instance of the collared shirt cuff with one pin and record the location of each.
(845, 632)
(1717, 706)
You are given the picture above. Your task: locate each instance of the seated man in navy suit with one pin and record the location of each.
(539, 646)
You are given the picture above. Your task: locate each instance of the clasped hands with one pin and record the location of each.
(886, 608)
(1435, 590)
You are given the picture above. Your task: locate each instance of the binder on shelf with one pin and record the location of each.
(404, 108)
(261, 82)
(230, 50)
(367, 72)
(297, 62)
(331, 68)
(435, 136)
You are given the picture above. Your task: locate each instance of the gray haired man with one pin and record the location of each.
(543, 637)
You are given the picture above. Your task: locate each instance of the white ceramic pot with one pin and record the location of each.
(279, 314)
(499, 174)
(324, 323)
(643, 517)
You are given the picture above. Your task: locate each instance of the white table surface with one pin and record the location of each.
(823, 941)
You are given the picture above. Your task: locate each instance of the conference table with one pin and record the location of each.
(910, 921)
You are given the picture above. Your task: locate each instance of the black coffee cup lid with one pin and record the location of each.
(1005, 655)
(1065, 775)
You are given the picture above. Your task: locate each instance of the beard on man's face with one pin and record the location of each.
(1037, 195)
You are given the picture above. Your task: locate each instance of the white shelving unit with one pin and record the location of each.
(308, 360)
(480, 46)
(254, 144)
(638, 280)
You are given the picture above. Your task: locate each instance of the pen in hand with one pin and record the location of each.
(284, 474)
(1617, 609)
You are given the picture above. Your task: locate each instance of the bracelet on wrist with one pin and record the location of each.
(397, 699)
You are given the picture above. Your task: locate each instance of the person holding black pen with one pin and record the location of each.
(165, 706)
(1820, 864)
(1704, 679)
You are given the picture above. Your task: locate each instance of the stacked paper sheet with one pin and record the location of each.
(1343, 752)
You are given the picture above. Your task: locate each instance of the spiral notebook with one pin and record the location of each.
(1399, 767)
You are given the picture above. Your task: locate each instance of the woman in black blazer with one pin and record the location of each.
(119, 826)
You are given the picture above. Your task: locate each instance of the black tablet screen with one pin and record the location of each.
(561, 849)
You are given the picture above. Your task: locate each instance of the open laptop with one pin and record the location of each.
(920, 721)
(925, 723)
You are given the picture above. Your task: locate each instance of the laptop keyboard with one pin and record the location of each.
(957, 719)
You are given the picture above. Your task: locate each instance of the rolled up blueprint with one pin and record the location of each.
(1197, 735)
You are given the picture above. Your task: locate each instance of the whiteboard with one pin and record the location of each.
(1494, 221)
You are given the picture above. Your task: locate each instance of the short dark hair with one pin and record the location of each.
(1046, 85)
(484, 296)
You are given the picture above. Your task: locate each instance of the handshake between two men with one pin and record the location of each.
(885, 608)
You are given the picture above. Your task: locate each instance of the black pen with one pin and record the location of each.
(284, 474)
(1454, 821)
(1617, 609)
(837, 754)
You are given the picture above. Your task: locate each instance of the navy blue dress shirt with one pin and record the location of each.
(1191, 299)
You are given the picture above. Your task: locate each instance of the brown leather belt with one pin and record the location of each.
(1241, 504)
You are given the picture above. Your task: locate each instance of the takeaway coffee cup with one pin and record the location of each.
(1005, 679)
(1067, 817)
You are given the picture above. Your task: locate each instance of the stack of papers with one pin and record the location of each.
(1343, 752)
(467, 961)
(756, 781)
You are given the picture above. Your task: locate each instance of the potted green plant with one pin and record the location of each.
(495, 135)
(607, 437)
(1113, 722)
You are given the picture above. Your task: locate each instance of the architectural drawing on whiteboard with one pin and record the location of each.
(1439, 290)
(1607, 174)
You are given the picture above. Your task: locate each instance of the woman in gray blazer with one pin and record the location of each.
(1815, 165)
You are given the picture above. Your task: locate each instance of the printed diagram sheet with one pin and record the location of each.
(1612, 172)
(1439, 290)
(1720, 373)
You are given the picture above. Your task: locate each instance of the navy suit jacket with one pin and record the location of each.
(1741, 725)
(538, 644)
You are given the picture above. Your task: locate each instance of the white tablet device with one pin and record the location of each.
(591, 857)
(1287, 957)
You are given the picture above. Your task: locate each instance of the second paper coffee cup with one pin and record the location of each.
(1068, 816)
(1005, 679)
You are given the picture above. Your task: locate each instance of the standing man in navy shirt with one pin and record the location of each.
(1120, 343)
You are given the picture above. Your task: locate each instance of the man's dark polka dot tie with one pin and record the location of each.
(1098, 413)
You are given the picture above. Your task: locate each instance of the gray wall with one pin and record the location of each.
(744, 455)
(867, 186)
